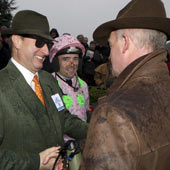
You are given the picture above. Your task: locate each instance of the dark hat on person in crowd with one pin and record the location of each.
(145, 14)
(29, 22)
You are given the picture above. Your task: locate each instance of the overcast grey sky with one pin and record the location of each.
(77, 16)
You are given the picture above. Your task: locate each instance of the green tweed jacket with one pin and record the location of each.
(26, 126)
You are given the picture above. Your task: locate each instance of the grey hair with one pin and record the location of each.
(145, 38)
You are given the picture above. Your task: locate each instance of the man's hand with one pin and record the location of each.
(48, 157)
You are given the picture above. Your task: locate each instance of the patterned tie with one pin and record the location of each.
(38, 89)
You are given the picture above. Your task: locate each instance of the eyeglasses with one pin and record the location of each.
(40, 42)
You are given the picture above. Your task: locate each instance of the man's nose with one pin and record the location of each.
(72, 61)
(45, 49)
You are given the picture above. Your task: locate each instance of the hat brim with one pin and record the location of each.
(31, 32)
(102, 33)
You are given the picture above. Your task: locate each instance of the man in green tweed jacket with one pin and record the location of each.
(29, 131)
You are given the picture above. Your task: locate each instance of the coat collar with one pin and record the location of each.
(135, 68)
(23, 89)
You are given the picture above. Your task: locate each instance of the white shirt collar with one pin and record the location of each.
(28, 75)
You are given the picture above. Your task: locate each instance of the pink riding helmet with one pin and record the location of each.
(65, 42)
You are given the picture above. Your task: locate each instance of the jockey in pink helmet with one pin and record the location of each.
(65, 55)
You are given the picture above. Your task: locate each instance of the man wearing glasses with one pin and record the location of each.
(33, 117)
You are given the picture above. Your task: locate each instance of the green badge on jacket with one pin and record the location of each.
(68, 101)
(80, 99)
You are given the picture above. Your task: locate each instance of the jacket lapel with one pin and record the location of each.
(24, 91)
(29, 100)
(55, 120)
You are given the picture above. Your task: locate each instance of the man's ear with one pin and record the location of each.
(125, 43)
(17, 41)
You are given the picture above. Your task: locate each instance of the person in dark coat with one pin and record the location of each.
(33, 118)
(130, 128)
(5, 52)
(47, 66)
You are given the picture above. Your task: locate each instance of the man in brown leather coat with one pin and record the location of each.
(130, 129)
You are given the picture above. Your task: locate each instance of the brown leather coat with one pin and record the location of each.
(130, 129)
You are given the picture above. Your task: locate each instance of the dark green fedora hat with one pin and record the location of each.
(144, 14)
(29, 22)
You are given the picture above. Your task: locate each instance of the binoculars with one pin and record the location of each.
(71, 152)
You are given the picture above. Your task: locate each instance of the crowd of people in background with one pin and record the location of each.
(95, 55)
(94, 66)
